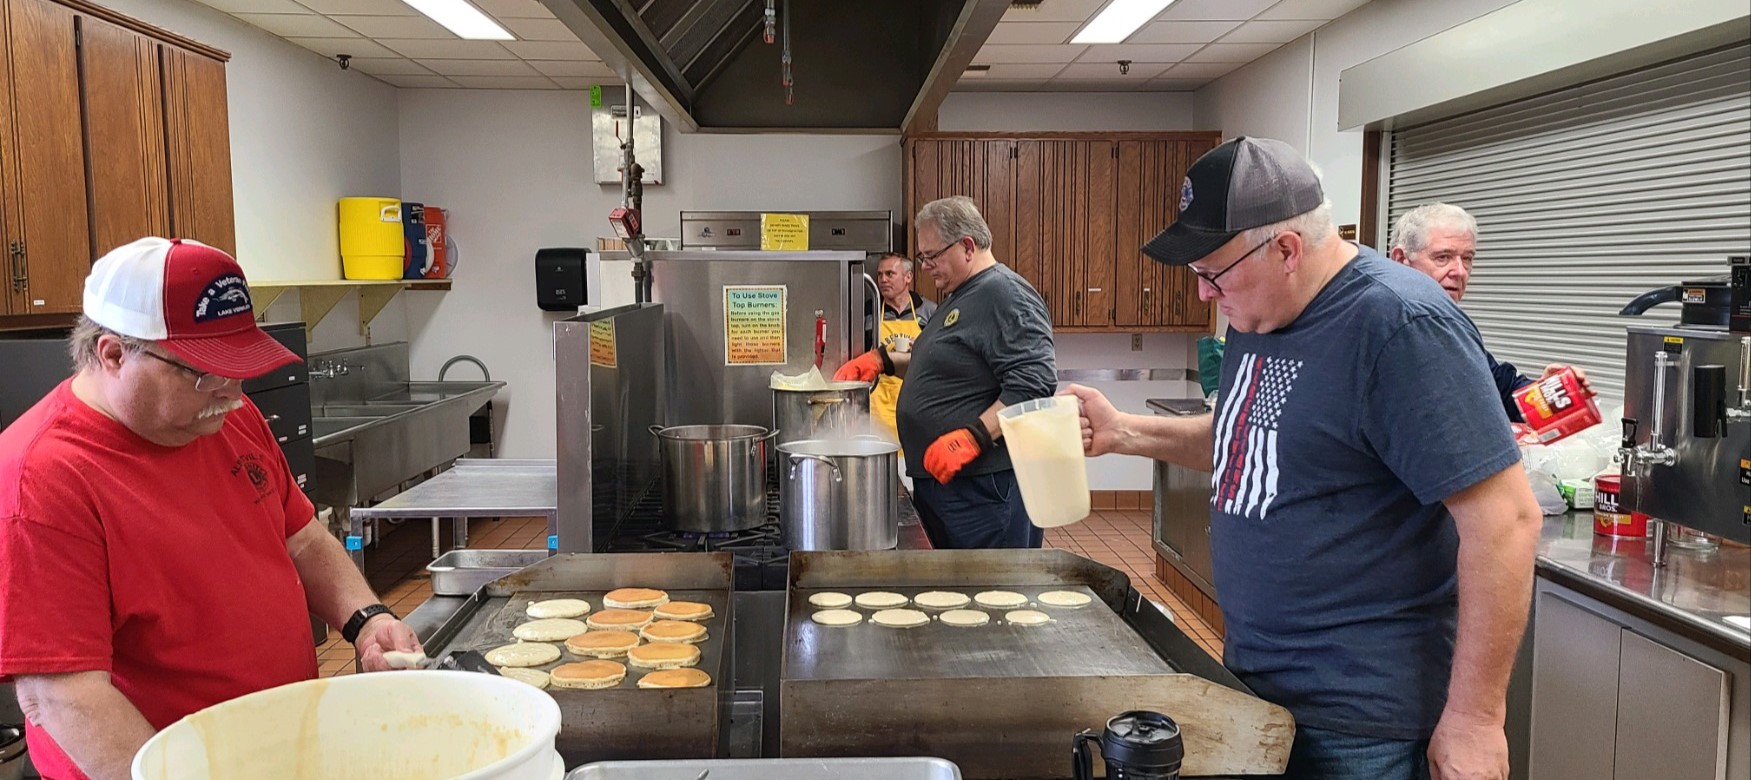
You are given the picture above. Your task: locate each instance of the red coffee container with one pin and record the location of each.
(1557, 406)
(1609, 519)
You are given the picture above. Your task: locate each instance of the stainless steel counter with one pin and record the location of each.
(1692, 595)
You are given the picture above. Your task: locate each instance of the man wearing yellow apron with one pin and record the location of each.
(903, 316)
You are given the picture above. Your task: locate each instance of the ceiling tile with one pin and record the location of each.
(551, 50)
(1200, 70)
(298, 25)
(1055, 11)
(514, 9)
(397, 27)
(453, 49)
(573, 82)
(1181, 32)
(389, 66)
(1233, 52)
(479, 67)
(255, 6)
(1033, 32)
(992, 54)
(1175, 85)
(1312, 9)
(352, 47)
(1229, 10)
(506, 82)
(1139, 52)
(361, 7)
(1271, 32)
(418, 82)
(539, 29)
(1092, 85)
(1023, 72)
(575, 69)
(1000, 85)
(1142, 71)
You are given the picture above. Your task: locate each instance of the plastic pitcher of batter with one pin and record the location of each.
(1044, 437)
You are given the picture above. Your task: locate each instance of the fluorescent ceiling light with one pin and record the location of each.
(462, 18)
(1118, 20)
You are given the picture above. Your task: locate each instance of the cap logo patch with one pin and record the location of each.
(1185, 193)
(225, 296)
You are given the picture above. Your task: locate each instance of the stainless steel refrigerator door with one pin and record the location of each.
(703, 388)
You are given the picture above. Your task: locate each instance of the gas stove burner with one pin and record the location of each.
(768, 535)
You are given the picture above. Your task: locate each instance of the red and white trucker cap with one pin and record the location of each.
(187, 296)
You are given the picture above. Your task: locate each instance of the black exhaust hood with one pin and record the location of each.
(705, 65)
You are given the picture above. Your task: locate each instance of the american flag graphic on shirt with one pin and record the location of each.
(1244, 482)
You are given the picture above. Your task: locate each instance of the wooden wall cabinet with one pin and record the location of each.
(110, 130)
(1069, 212)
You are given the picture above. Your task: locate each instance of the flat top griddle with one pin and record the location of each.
(491, 627)
(1086, 641)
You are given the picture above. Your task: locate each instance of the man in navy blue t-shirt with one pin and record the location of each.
(1371, 528)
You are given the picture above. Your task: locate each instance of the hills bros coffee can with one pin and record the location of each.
(1557, 406)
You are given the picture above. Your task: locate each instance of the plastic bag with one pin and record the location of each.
(809, 380)
(1550, 500)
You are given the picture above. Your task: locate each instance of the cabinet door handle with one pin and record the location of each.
(18, 277)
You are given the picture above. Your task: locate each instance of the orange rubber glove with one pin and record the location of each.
(865, 367)
(952, 451)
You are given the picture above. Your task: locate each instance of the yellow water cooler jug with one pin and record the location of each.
(372, 242)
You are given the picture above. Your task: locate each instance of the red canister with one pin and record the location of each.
(1608, 518)
(1557, 406)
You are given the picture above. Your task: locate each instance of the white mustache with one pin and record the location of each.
(217, 408)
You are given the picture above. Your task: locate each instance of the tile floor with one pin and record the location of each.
(1116, 537)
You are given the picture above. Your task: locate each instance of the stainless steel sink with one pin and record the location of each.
(374, 429)
(431, 392)
(367, 409)
(321, 427)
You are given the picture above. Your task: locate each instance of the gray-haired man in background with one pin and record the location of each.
(1440, 240)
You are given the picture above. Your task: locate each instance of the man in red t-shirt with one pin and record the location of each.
(156, 557)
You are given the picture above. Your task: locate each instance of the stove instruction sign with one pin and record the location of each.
(754, 325)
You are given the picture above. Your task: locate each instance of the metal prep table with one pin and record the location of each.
(474, 488)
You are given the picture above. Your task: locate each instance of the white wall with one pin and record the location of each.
(303, 134)
(1065, 111)
(514, 169)
(1292, 93)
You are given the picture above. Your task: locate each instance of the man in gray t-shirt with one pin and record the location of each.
(1371, 529)
(989, 345)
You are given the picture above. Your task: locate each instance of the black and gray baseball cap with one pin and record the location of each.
(1242, 184)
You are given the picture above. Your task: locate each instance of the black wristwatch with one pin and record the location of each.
(356, 623)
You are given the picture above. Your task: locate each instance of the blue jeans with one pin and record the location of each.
(980, 512)
(1332, 755)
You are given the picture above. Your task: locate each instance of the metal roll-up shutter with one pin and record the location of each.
(1588, 196)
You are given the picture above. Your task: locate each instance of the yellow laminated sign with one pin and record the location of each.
(784, 232)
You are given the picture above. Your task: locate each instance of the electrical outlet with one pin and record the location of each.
(1136, 342)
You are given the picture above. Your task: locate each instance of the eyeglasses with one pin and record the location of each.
(1211, 278)
(204, 382)
(928, 259)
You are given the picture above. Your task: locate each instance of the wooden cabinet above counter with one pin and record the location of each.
(1069, 212)
(110, 129)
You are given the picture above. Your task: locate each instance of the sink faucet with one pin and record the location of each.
(329, 369)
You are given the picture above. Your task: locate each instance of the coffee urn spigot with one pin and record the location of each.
(1655, 452)
(1742, 411)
